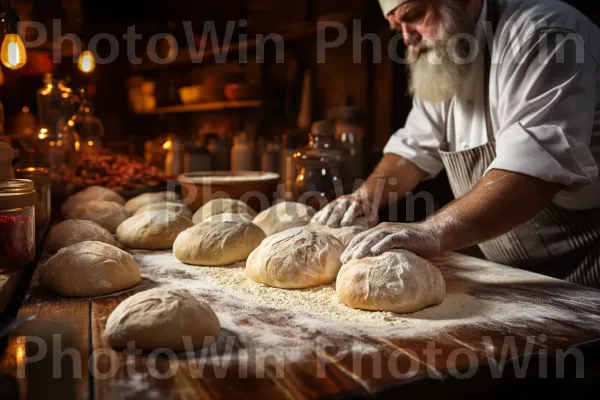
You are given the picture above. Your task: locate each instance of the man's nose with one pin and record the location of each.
(410, 35)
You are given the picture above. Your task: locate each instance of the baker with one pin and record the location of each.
(506, 99)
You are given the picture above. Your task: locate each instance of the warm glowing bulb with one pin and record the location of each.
(91, 143)
(167, 145)
(13, 54)
(71, 123)
(86, 62)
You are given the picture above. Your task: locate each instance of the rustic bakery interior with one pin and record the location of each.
(303, 199)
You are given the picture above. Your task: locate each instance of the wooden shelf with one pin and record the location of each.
(199, 107)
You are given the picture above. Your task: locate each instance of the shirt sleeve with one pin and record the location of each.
(546, 107)
(420, 138)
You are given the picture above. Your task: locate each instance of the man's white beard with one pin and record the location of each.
(435, 76)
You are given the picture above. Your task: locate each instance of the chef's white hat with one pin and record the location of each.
(390, 5)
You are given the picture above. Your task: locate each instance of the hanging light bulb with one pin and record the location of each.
(86, 62)
(13, 54)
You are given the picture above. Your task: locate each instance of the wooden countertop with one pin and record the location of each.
(489, 310)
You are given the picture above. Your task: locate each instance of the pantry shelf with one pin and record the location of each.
(200, 107)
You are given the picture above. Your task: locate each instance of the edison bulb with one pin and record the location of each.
(13, 54)
(86, 62)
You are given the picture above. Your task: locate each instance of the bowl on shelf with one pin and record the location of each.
(240, 91)
(257, 189)
(192, 94)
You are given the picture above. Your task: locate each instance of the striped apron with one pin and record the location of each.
(557, 242)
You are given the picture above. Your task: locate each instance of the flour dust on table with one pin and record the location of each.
(291, 321)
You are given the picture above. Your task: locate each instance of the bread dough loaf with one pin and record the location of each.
(158, 318)
(398, 281)
(222, 206)
(152, 230)
(75, 231)
(284, 216)
(150, 198)
(105, 213)
(295, 259)
(88, 194)
(89, 269)
(220, 240)
(344, 233)
(178, 208)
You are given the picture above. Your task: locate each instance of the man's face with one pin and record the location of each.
(428, 27)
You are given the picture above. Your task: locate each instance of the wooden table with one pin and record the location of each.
(549, 315)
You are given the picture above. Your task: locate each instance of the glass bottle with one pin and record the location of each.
(320, 167)
(89, 128)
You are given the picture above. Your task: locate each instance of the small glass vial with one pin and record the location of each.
(17, 224)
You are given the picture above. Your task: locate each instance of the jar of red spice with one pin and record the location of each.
(17, 224)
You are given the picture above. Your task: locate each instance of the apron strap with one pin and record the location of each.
(493, 18)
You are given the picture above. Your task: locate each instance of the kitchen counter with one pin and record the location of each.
(277, 343)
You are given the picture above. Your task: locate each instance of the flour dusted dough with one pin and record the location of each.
(344, 233)
(220, 240)
(222, 206)
(284, 216)
(295, 259)
(162, 319)
(89, 269)
(75, 231)
(90, 193)
(150, 198)
(398, 281)
(105, 213)
(179, 208)
(152, 230)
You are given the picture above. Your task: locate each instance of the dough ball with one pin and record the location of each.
(89, 269)
(161, 319)
(222, 206)
(295, 259)
(220, 240)
(75, 231)
(284, 216)
(398, 281)
(90, 193)
(108, 214)
(345, 233)
(152, 230)
(178, 208)
(150, 198)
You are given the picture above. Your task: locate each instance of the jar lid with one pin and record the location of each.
(40, 176)
(16, 193)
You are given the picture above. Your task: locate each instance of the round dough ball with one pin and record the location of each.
(89, 269)
(222, 206)
(284, 216)
(345, 233)
(220, 240)
(295, 259)
(75, 231)
(150, 198)
(152, 230)
(161, 319)
(178, 208)
(105, 213)
(398, 281)
(90, 193)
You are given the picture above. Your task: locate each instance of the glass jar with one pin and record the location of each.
(90, 129)
(17, 224)
(43, 195)
(349, 133)
(320, 167)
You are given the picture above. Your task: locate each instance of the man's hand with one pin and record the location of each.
(420, 238)
(344, 211)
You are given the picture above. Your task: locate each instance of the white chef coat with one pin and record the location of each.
(545, 112)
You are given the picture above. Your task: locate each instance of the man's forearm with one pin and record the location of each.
(502, 201)
(391, 180)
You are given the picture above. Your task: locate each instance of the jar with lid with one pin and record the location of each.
(242, 153)
(320, 167)
(17, 224)
(349, 133)
(89, 128)
(43, 195)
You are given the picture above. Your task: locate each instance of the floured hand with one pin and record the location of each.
(345, 210)
(420, 238)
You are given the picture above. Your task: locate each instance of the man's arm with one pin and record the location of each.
(502, 201)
